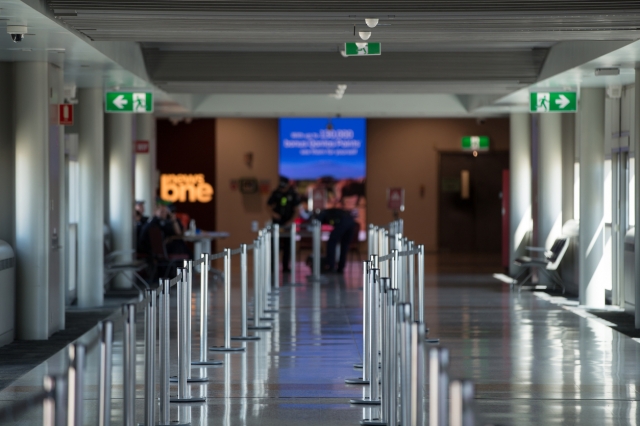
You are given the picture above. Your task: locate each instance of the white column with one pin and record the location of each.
(119, 140)
(33, 242)
(145, 162)
(549, 179)
(519, 187)
(636, 159)
(90, 126)
(591, 131)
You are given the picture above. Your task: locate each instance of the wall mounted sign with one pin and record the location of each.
(65, 114)
(362, 49)
(249, 186)
(128, 102)
(142, 147)
(395, 199)
(475, 143)
(553, 102)
(185, 188)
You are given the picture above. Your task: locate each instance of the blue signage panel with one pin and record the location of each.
(311, 148)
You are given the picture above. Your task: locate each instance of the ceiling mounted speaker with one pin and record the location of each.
(364, 34)
(371, 22)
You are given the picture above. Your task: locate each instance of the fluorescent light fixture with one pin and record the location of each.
(371, 22)
(607, 71)
(365, 35)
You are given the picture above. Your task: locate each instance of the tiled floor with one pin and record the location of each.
(534, 363)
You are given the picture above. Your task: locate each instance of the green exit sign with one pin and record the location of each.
(362, 49)
(553, 102)
(129, 102)
(475, 143)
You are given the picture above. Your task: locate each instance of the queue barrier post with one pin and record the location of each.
(316, 241)
(364, 380)
(461, 395)
(129, 364)
(104, 372)
(227, 308)
(438, 386)
(204, 313)
(258, 285)
(53, 409)
(243, 290)
(75, 383)
(184, 363)
(150, 359)
(275, 229)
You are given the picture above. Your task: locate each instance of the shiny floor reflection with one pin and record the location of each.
(533, 363)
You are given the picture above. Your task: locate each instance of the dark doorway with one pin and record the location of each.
(470, 206)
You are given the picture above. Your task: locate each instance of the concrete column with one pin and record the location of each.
(519, 187)
(569, 265)
(549, 179)
(33, 242)
(636, 142)
(90, 127)
(7, 156)
(591, 123)
(145, 162)
(119, 141)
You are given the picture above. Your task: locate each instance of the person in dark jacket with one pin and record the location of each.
(344, 227)
(283, 203)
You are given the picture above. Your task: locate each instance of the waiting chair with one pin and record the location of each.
(547, 265)
(159, 253)
(115, 265)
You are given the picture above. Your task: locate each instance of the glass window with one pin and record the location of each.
(608, 189)
(74, 191)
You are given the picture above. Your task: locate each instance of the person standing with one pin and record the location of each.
(283, 202)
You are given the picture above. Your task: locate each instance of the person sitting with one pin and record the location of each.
(171, 228)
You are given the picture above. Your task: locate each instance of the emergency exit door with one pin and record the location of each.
(470, 201)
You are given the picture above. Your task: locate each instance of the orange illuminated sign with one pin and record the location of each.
(183, 188)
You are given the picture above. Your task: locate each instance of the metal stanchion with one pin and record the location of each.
(257, 285)
(184, 363)
(204, 313)
(75, 383)
(461, 394)
(421, 283)
(370, 240)
(129, 364)
(316, 240)
(292, 249)
(275, 230)
(150, 359)
(104, 374)
(416, 390)
(364, 380)
(411, 275)
(53, 410)
(227, 308)
(243, 282)
(371, 394)
(404, 335)
(392, 301)
(164, 306)
(380, 388)
(265, 282)
(438, 386)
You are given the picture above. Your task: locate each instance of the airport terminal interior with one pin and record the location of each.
(299, 212)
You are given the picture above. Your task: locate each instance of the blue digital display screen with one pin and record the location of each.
(311, 148)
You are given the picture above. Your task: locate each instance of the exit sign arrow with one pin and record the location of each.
(553, 102)
(141, 102)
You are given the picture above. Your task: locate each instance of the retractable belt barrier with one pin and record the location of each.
(394, 338)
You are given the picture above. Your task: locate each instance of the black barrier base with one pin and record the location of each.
(205, 363)
(191, 400)
(373, 422)
(261, 319)
(245, 338)
(357, 366)
(365, 401)
(271, 311)
(223, 349)
(174, 379)
(259, 327)
(356, 381)
(432, 341)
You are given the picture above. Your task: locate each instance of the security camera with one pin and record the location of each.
(17, 32)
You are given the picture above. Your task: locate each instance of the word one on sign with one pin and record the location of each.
(129, 102)
(183, 187)
(553, 102)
